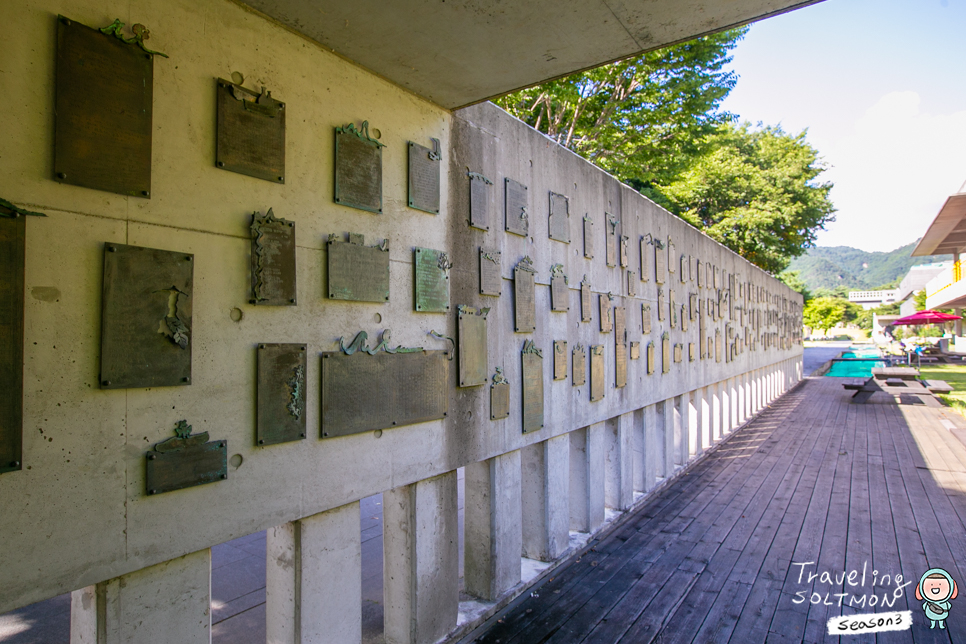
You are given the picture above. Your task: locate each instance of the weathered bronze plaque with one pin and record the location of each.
(588, 237)
(717, 345)
(358, 272)
(665, 353)
(499, 396)
(12, 243)
(678, 351)
(620, 324)
(432, 280)
(524, 298)
(620, 366)
(273, 260)
(606, 321)
(717, 277)
(516, 204)
(281, 393)
(645, 319)
(623, 251)
(358, 168)
(185, 460)
(631, 283)
(424, 177)
(650, 358)
(610, 245)
(471, 331)
(559, 218)
(560, 359)
(479, 200)
(491, 277)
(708, 275)
(635, 350)
(669, 255)
(380, 390)
(691, 355)
(672, 310)
(684, 318)
(596, 372)
(693, 306)
(532, 387)
(251, 132)
(660, 304)
(683, 272)
(699, 270)
(579, 365)
(103, 101)
(645, 257)
(585, 314)
(660, 261)
(559, 293)
(146, 336)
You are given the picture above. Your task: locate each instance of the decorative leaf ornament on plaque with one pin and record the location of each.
(516, 206)
(559, 293)
(103, 101)
(669, 255)
(585, 306)
(645, 319)
(645, 256)
(273, 260)
(623, 251)
(499, 396)
(358, 168)
(358, 272)
(532, 387)
(683, 272)
(250, 136)
(588, 237)
(596, 372)
(579, 365)
(281, 393)
(524, 297)
(611, 240)
(559, 359)
(424, 177)
(491, 276)
(479, 200)
(431, 280)
(471, 332)
(660, 261)
(185, 460)
(559, 218)
(606, 319)
(146, 305)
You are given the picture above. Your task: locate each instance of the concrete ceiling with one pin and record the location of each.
(459, 52)
(947, 232)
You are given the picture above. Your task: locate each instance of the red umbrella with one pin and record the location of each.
(925, 317)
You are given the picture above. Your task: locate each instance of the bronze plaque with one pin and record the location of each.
(717, 345)
(588, 237)
(559, 293)
(650, 358)
(678, 351)
(532, 387)
(185, 460)
(660, 262)
(358, 168)
(672, 310)
(610, 245)
(699, 271)
(471, 331)
(683, 272)
(620, 366)
(424, 177)
(635, 350)
(660, 305)
(491, 277)
(559, 359)
(645, 319)
(273, 260)
(631, 283)
(559, 218)
(146, 336)
(717, 277)
(585, 314)
(645, 258)
(479, 200)
(684, 318)
(606, 321)
(358, 272)
(432, 280)
(524, 299)
(620, 324)
(251, 132)
(596, 372)
(691, 355)
(665, 353)
(499, 397)
(623, 251)
(12, 244)
(363, 391)
(516, 204)
(103, 101)
(579, 366)
(281, 393)
(693, 306)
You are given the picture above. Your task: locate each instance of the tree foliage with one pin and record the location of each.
(823, 313)
(920, 299)
(794, 281)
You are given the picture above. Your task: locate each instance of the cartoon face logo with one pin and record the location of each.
(935, 590)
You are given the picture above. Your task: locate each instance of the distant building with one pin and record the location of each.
(872, 299)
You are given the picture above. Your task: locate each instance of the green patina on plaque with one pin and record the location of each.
(12, 254)
(471, 332)
(660, 261)
(559, 218)
(596, 372)
(280, 416)
(424, 177)
(532, 360)
(579, 365)
(516, 205)
(358, 168)
(559, 359)
(358, 272)
(432, 280)
(250, 137)
(185, 460)
(273, 260)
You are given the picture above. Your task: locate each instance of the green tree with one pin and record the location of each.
(756, 192)
(823, 313)
(920, 299)
(794, 281)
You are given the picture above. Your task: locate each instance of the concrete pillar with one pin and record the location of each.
(168, 602)
(619, 463)
(694, 424)
(749, 397)
(587, 478)
(706, 422)
(715, 412)
(740, 398)
(421, 560)
(654, 444)
(680, 430)
(639, 465)
(735, 384)
(670, 436)
(313, 579)
(493, 539)
(545, 490)
(725, 407)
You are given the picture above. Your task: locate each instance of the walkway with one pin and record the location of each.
(875, 487)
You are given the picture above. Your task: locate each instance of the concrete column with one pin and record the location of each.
(670, 436)
(740, 397)
(545, 490)
(694, 424)
(587, 478)
(715, 412)
(749, 397)
(725, 407)
(168, 602)
(680, 430)
(639, 463)
(313, 579)
(654, 444)
(493, 539)
(619, 463)
(421, 560)
(706, 422)
(735, 384)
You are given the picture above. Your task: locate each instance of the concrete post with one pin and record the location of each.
(421, 560)
(493, 539)
(545, 488)
(706, 421)
(653, 446)
(619, 463)
(749, 397)
(735, 384)
(670, 436)
(640, 458)
(726, 404)
(168, 602)
(679, 431)
(587, 478)
(694, 424)
(740, 397)
(313, 579)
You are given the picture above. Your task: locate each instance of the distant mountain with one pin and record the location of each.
(829, 267)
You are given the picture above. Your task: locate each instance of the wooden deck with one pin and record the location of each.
(879, 487)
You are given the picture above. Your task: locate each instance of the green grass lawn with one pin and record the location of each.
(955, 375)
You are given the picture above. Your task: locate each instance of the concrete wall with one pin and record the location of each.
(77, 515)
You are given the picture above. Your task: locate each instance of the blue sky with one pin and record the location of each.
(881, 87)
